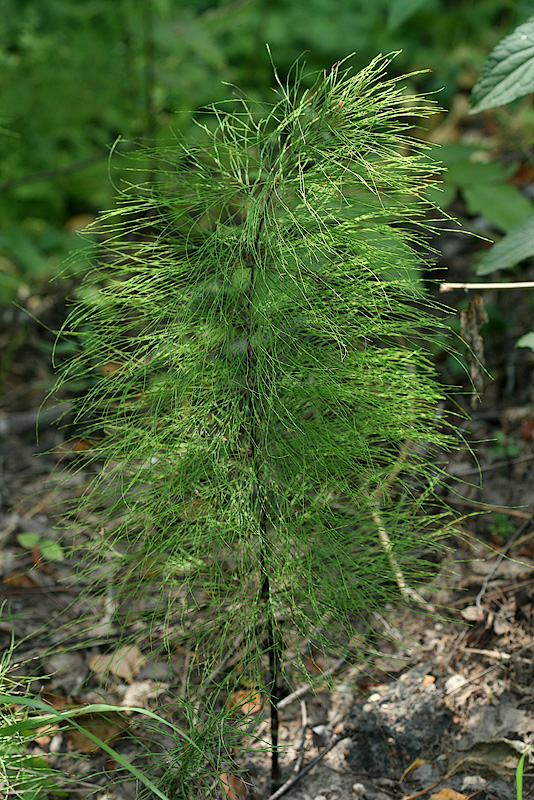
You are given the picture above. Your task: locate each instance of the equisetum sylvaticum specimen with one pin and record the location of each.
(261, 405)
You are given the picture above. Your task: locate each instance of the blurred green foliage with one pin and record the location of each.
(482, 183)
(75, 77)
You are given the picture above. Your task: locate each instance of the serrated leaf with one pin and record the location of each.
(502, 205)
(401, 10)
(512, 248)
(509, 71)
(526, 341)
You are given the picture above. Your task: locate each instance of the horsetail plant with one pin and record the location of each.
(262, 410)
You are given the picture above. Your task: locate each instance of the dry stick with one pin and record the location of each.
(304, 722)
(498, 665)
(56, 172)
(433, 785)
(303, 690)
(185, 675)
(292, 781)
(498, 560)
(406, 591)
(464, 473)
(449, 287)
(487, 507)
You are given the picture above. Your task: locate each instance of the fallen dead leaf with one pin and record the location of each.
(111, 368)
(78, 222)
(473, 613)
(138, 692)
(245, 701)
(124, 663)
(19, 580)
(234, 788)
(448, 794)
(414, 765)
(106, 726)
(45, 732)
(316, 663)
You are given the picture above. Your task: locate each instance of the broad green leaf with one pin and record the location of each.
(465, 173)
(454, 151)
(526, 341)
(401, 10)
(442, 195)
(502, 205)
(509, 71)
(510, 250)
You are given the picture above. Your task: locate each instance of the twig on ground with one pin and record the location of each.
(185, 675)
(495, 654)
(498, 560)
(433, 785)
(464, 473)
(480, 675)
(487, 507)
(292, 781)
(19, 422)
(449, 287)
(304, 722)
(303, 690)
(406, 591)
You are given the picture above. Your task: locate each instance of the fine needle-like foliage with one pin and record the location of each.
(260, 416)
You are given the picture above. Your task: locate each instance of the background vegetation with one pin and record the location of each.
(82, 82)
(77, 78)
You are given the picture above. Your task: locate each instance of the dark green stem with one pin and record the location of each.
(256, 454)
(272, 682)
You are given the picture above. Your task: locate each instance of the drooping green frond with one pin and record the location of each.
(253, 323)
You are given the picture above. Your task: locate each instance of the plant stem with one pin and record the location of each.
(272, 680)
(257, 455)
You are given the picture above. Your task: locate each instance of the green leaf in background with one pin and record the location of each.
(443, 195)
(450, 152)
(18, 246)
(465, 172)
(512, 248)
(503, 205)
(402, 10)
(526, 341)
(509, 71)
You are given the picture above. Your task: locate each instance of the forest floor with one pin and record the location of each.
(444, 707)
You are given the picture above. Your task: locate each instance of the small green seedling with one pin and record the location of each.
(49, 549)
